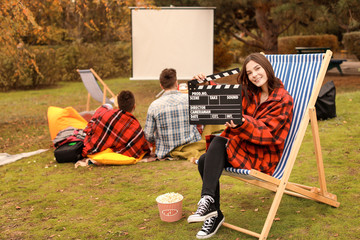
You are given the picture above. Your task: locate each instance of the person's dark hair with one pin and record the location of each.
(243, 78)
(126, 101)
(168, 78)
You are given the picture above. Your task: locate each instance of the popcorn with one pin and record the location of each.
(169, 198)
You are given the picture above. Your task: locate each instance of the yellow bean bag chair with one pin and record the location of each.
(61, 118)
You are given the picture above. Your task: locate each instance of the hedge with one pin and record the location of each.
(286, 45)
(351, 43)
(59, 63)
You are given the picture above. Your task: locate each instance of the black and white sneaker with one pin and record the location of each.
(210, 226)
(206, 209)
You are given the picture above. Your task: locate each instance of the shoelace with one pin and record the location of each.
(208, 224)
(204, 204)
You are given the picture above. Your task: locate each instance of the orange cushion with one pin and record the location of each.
(61, 118)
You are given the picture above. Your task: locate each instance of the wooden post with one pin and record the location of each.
(318, 153)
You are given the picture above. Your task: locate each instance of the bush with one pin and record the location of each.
(7, 66)
(45, 58)
(286, 45)
(351, 43)
(59, 63)
(110, 60)
(19, 70)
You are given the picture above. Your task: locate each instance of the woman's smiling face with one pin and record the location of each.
(256, 74)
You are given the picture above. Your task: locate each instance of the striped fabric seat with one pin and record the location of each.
(298, 72)
(92, 86)
(88, 77)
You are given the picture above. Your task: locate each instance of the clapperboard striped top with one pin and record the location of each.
(223, 86)
(298, 72)
(222, 74)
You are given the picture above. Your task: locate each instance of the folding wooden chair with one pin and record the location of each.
(88, 77)
(302, 75)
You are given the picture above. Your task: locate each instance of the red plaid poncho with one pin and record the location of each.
(117, 130)
(259, 142)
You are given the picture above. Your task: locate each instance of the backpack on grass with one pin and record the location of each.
(69, 152)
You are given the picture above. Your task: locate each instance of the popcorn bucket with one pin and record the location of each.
(170, 207)
(183, 88)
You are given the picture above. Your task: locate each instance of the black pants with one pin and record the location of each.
(210, 166)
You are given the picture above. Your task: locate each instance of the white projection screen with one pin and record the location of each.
(175, 37)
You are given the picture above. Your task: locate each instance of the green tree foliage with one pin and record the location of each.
(332, 17)
(259, 23)
(343, 14)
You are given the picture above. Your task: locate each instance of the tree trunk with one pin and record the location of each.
(268, 28)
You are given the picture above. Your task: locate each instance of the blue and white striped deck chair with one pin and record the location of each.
(88, 77)
(302, 75)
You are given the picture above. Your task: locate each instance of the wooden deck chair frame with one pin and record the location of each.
(282, 185)
(104, 91)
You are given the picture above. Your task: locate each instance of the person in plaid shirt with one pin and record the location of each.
(167, 121)
(117, 129)
(256, 143)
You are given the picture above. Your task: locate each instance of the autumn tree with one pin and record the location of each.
(80, 20)
(25, 24)
(15, 21)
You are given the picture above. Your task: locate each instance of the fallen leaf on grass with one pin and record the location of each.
(277, 219)
(336, 235)
(256, 210)
(142, 228)
(242, 210)
(18, 207)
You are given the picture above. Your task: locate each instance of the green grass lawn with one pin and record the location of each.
(41, 199)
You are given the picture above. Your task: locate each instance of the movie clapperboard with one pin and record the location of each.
(215, 104)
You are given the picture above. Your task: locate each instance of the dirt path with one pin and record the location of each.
(345, 83)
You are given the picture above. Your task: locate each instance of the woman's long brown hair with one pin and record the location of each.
(243, 78)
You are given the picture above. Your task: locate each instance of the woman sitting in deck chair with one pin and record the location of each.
(256, 143)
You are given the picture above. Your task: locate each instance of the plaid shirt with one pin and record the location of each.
(259, 142)
(117, 130)
(167, 123)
